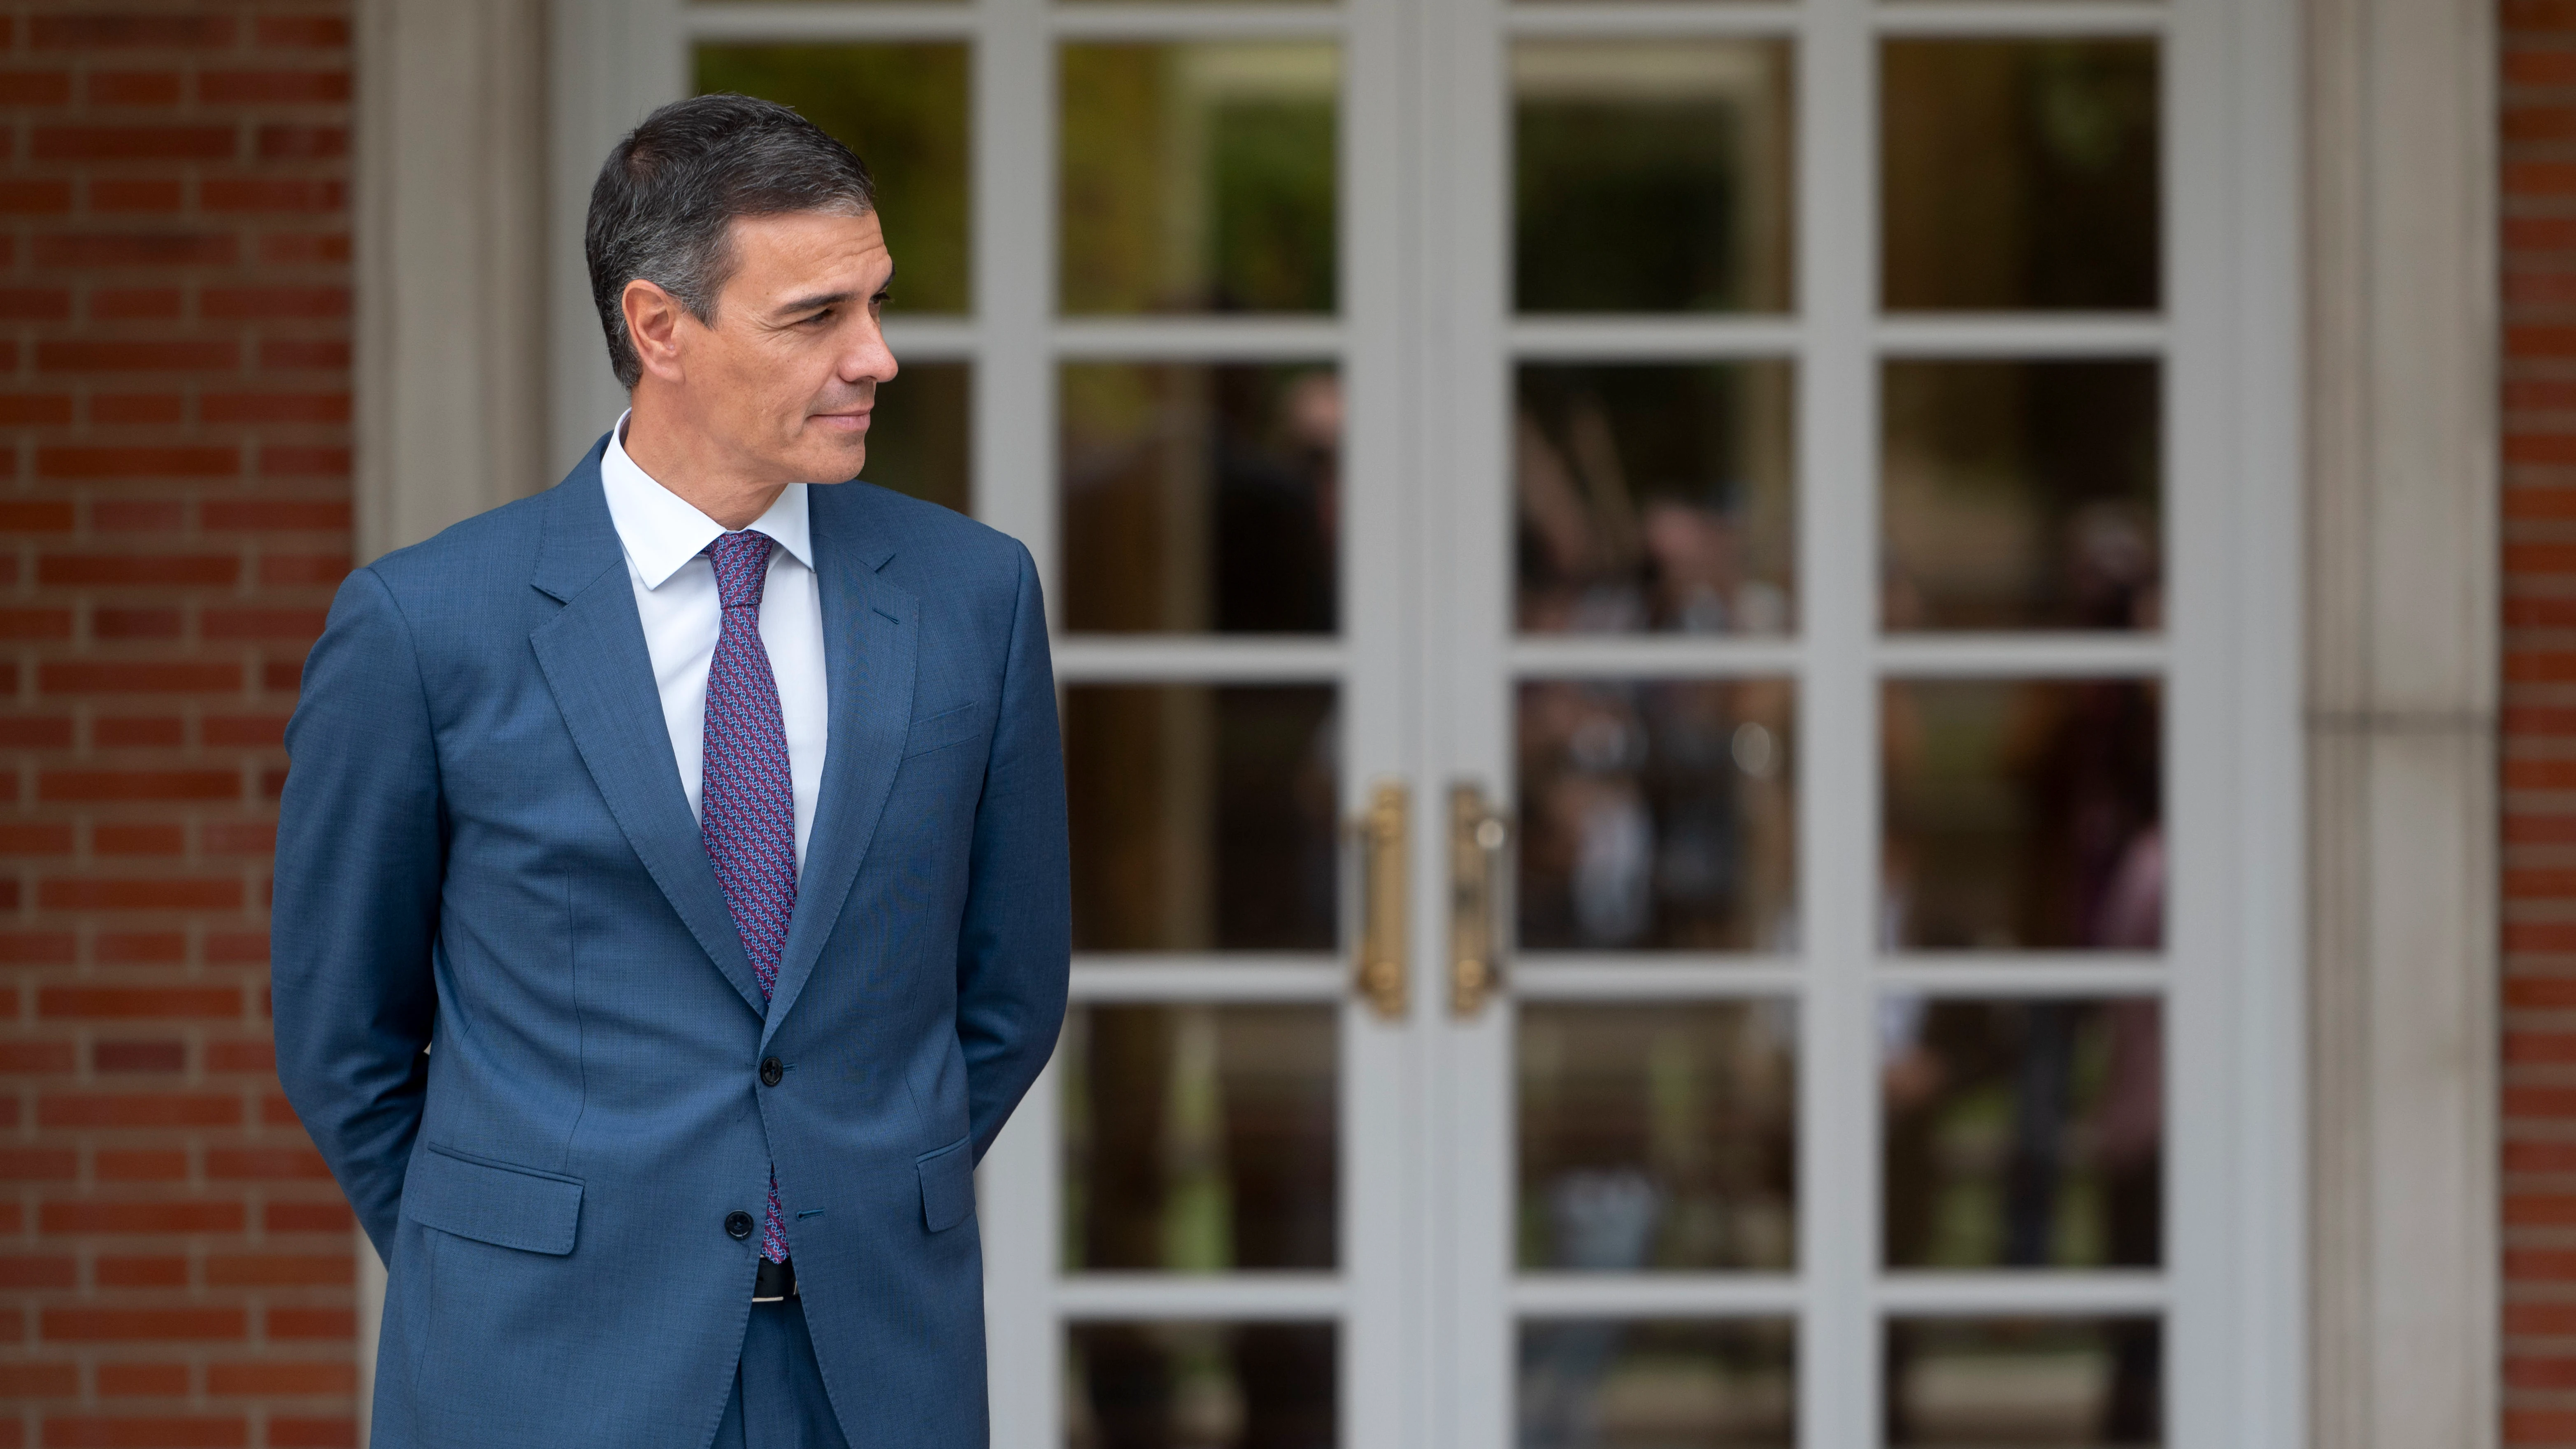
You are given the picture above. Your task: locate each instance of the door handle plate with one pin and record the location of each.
(1478, 835)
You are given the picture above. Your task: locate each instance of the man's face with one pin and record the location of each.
(785, 379)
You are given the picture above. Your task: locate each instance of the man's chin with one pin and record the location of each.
(833, 460)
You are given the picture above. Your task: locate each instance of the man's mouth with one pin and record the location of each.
(849, 422)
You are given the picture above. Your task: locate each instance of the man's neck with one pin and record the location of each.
(690, 467)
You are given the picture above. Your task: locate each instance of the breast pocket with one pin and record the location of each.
(947, 728)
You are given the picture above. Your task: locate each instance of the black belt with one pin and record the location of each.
(775, 1283)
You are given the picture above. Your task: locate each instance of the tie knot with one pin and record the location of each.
(742, 567)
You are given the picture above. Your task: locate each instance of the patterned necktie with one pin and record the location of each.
(748, 816)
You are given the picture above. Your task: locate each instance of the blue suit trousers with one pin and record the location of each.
(778, 1398)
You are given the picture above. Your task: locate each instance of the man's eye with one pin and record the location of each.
(823, 316)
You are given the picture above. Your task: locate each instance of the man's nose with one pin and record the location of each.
(871, 360)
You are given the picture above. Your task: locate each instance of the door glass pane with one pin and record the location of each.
(1658, 1136)
(2023, 1134)
(1657, 815)
(1658, 1383)
(919, 433)
(1651, 175)
(1655, 497)
(1198, 177)
(2019, 174)
(1200, 497)
(1199, 1139)
(1195, 1385)
(1995, 1383)
(2022, 495)
(903, 108)
(1202, 816)
(2023, 814)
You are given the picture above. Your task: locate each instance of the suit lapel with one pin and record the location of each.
(595, 661)
(870, 639)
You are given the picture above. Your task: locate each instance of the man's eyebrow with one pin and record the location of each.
(814, 303)
(821, 300)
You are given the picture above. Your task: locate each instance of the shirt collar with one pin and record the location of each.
(661, 530)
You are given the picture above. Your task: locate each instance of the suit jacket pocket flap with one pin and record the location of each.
(939, 731)
(947, 1185)
(490, 1203)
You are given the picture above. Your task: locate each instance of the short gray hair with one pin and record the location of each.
(663, 207)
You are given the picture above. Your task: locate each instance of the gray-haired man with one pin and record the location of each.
(712, 824)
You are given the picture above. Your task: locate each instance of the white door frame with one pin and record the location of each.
(1424, 1341)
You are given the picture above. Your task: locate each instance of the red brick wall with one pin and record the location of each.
(2539, 380)
(175, 1264)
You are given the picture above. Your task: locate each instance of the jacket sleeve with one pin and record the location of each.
(360, 854)
(1015, 946)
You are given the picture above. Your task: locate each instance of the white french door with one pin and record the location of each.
(1675, 624)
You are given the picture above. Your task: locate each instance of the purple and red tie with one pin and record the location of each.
(748, 814)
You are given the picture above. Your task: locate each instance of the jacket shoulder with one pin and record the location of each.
(501, 540)
(930, 546)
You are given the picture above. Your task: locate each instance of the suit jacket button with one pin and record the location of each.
(771, 1071)
(737, 1226)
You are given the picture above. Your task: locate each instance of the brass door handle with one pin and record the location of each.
(1381, 974)
(1478, 834)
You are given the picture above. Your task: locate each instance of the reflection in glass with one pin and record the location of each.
(2023, 1134)
(2019, 174)
(1190, 1385)
(1657, 815)
(1202, 816)
(1658, 1136)
(2022, 495)
(903, 108)
(1998, 1383)
(1200, 497)
(1654, 497)
(919, 434)
(1199, 1139)
(1199, 177)
(1651, 176)
(1658, 1384)
(2023, 815)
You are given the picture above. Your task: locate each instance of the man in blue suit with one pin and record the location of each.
(671, 888)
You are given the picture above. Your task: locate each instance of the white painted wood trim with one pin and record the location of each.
(2402, 691)
(450, 233)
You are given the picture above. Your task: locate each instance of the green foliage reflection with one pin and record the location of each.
(1199, 177)
(903, 108)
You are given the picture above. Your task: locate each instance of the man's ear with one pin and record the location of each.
(653, 327)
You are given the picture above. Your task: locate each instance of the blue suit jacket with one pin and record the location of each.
(484, 842)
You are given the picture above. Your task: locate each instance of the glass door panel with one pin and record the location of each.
(1199, 176)
(1651, 175)
(1654, 497)
(1657, 815)
(2022, 494)
(1203, 817)
(1657, 1383)
(2020, 174)
(1200, 1139)
(1201, 498)
(2069, 1382)
(2023, 814)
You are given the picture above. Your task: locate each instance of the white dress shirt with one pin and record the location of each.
(675, 592)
